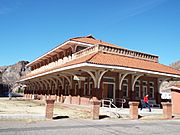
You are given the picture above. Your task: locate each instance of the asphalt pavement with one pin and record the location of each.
(90, 127)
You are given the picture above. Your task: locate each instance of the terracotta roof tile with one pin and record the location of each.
(122, 61)
(178, 86)
(92, 40)
(117, 60)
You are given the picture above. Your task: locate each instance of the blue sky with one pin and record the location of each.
(29, 28)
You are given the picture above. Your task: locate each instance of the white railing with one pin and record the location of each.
(129, 53)
(120, 101)
(108, 102)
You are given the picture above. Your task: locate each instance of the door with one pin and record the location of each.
(108, 91)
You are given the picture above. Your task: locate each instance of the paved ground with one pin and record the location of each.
(30, 109)
(76, 120)
(91, 127)
(25, 109)
(155, 113)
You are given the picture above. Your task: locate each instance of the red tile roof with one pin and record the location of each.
(100, 58)
(178, 86)
(91, 40)
(123, 61)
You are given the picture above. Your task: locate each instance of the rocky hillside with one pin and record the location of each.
(11, 74)
(175, 65)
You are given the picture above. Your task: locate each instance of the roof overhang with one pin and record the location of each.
(57, 48)
(99, 66)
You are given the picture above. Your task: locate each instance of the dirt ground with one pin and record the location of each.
(24, 106)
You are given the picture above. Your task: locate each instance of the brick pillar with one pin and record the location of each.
(57, 99)
(70, 99)
(95, 109)
(133, 109)
(167, 110)
(79, 99)
(49, 108)
(62, 99)
(175, 99)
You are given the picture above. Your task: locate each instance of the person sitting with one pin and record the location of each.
(146, 104)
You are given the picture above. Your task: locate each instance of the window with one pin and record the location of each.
(151, 83)
(85, 88)
(144, 82)
(144, 90)
(108, 79)
(137, 89)
(151, 92)
(76, 88)
(125, 88)
(90, 88)
(66, 89)
(60, 88)
(151, 89)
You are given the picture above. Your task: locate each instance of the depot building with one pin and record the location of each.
(83, 68)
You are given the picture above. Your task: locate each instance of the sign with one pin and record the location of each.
(79, 78)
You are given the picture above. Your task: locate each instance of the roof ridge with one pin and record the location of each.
(92, 56)
(88, 36)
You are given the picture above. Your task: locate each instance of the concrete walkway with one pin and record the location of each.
(124, 112)
(22, 116)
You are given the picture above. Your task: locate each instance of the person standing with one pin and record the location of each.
(146, 104)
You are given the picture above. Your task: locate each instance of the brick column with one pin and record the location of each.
(70, 99)
(62, 99)
(167, 110)
(133, 106)
(95, 109)
(49, 108)
(175, 99)
(57, 98)
(79, 100)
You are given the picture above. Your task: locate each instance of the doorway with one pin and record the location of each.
(108, 90)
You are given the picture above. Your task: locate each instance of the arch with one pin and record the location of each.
(69, 81)
(93, 77)
(53, 82)
(100, 75)
(48, 83)
(59, 79)
(44, 84)
(79, 82)
(33, 85)
(121, 78)
(135, 79)
(41, 86)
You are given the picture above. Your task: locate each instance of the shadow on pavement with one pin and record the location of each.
(103, 116)
(60, 117)
(139, 116)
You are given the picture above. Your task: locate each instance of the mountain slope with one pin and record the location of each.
(11, 74)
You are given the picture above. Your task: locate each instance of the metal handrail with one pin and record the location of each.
(110, 103)
(104, 101)
(120, 100)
